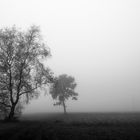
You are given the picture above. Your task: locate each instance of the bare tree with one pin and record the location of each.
(62, 89)
(21, 68)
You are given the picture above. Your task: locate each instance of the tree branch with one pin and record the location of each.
(10, 87)
(19, 85)
(5, 104)
(28, 90)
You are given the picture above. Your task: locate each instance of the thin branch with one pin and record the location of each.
(5, 104)
(31, 89)
(2, 81)
(28, 91)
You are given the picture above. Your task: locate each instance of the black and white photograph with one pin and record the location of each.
(69, 70)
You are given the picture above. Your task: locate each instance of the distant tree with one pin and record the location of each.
(62, 89)
(22, 70)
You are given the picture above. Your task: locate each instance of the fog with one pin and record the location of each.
(97, 42)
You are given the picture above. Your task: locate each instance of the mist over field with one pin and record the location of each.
(95, 58)
(97, 42)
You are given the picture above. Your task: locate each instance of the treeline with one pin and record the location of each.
(22, 73)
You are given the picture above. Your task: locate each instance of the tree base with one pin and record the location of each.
(14, 119)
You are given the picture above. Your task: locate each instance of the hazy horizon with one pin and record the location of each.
(97, 42)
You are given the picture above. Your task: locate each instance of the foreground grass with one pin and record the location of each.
(73, 126)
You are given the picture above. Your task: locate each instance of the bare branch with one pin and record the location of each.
(5, 104)
(28, 91)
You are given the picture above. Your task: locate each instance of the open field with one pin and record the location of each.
(56, 126)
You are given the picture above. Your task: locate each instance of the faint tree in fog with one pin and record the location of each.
(21, 69)
(62, 89)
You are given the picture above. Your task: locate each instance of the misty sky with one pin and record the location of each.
(96, 41)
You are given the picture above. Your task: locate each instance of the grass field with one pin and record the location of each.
(56, 126)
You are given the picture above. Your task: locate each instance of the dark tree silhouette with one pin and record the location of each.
(21, 69)
(62, 89)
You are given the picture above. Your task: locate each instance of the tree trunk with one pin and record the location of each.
(64, 106)
(11, 114)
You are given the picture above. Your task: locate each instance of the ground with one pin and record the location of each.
(73, 126)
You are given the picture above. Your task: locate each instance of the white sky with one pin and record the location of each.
(96, 41)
